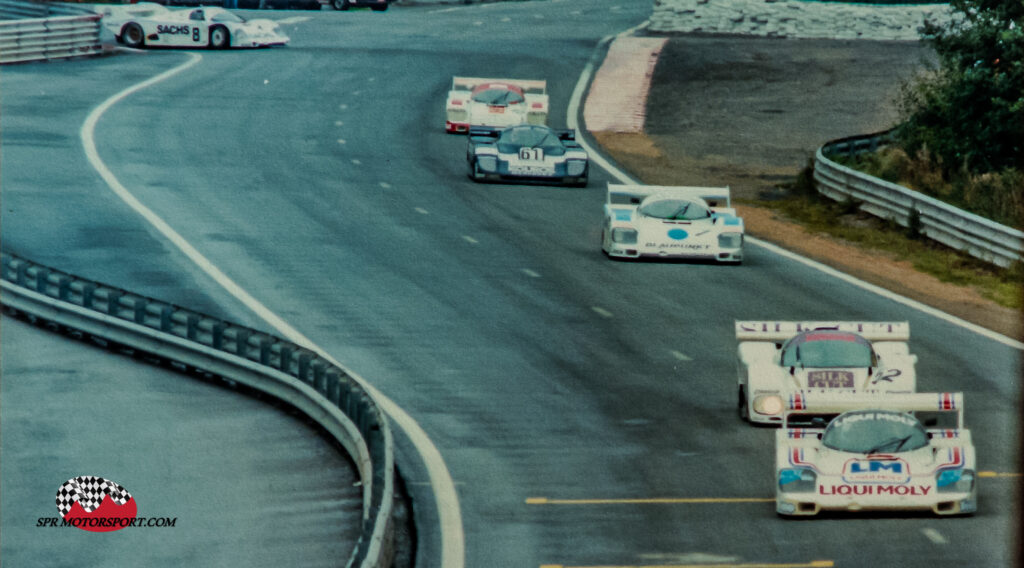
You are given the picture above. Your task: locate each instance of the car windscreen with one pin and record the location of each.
(512, 139)
(875, 431)
(497, 97)
(674, 209)
(827, 350)
(227, 17)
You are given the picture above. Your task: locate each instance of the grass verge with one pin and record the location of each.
(802, 204)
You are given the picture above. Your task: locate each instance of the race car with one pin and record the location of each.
(671, 222)
(780, 359)
(474, 101)
(855, 452)
(150, 24)
(527, 153)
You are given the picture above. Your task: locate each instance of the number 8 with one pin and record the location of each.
(195, 34)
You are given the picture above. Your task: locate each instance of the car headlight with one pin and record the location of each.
(801, 480)
(487, 163)
(955, 481)
(768, 404)
(575, 167)
(730, 240)
(624, 236)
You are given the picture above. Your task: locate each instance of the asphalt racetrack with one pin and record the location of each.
(584, 408)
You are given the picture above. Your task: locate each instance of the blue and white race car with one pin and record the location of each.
(856, 452)
(671, 222)
(149, 24)
(527, 153)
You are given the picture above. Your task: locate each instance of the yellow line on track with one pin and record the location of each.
(650, 501)
(998, 474)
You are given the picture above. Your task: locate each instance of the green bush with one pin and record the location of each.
(968, 114)
(998, 196)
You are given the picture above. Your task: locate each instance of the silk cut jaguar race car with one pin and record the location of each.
(855, 452)
(474, 101)
(671, 222)
(148, 24)
(527, 153)
(778, 359)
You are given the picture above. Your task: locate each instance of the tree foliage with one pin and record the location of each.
(968, 114)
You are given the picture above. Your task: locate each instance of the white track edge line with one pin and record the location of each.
(450, 515)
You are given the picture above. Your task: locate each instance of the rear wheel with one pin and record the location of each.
(379, 8)
(340, 4)
(743, 410)
(219, 37)
(132, 35)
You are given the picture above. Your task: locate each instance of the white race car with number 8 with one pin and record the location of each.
(149, 24)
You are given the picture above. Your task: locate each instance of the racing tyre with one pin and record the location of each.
(132, 35)
(742, 407)
(476, 174)
(219, 37)
(340, 4)
(379, 8)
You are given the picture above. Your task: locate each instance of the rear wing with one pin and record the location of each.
(484, 132)
(494, 132)
(932, 409)
(535, 87)
(783, 330)
(623, 194)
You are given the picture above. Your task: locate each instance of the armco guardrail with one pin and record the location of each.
(39, 31)
(973, 234)
(284, 370)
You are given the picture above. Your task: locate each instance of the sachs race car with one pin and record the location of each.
(855, 452)
(149, 24)
(527, 153)
(671, 222)
(494, 102)
(778, 359)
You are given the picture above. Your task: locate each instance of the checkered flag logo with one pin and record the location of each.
(89, 492)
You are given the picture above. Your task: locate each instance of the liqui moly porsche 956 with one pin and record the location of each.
(777, 359)
(527, 153)
(474, 101)
(671, 222)
(852, 452)
(149, 24)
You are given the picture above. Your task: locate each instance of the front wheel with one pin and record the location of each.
(475, 172)
(219, 37)
(743, 410)
(339, 4)
(379, 8)
(132, 35)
